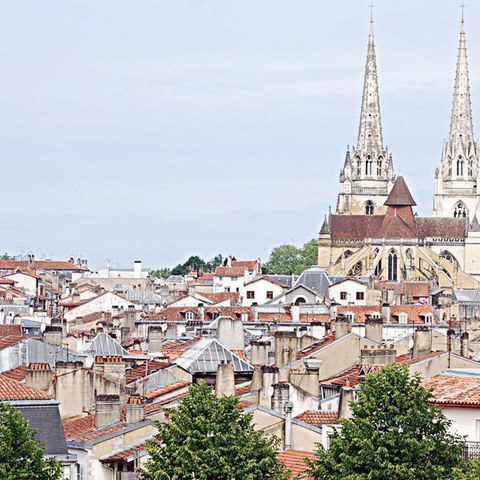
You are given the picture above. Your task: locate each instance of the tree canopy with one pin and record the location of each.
(287, 259)
(21, 456)
(208, 438)
(395, 434)
(193, 261)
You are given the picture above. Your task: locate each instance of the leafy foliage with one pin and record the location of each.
(467, 471)
(183, 268)
(208, 438)
(395, 434)
(287, 259)
(21, 457)
(6, 256)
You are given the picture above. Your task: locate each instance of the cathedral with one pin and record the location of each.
(375, 231)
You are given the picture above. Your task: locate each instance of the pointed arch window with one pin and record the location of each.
(379, 167)
(449, 257)
(392, 266)
(356, 270)
(460, 210)
(460, 167)
(410, 259)
(369, 207)
(359, 166)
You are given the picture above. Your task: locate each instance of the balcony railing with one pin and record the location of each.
(472, 450)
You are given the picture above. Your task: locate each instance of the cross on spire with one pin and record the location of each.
(462, 6)
(371, 10)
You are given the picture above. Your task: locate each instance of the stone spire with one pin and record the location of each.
(370, 130)
(461, 125)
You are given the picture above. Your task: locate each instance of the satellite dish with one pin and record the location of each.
(164, 327)
(43, 327)
(89, 361)
(270, 391)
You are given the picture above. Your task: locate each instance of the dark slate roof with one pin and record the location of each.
(315, 278)
(474, 226)
(44, 417)
(325, 227)
(400, 195)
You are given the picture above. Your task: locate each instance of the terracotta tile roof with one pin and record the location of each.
(157, 406)
(19, 374)
(455, 390)
(315, 347)
(318, 418)
(294, 460)
(172, 314)
(83, 429)
(415, 289)
(13, 390)
(9, 340)
(126, 455)
(41, 264)
(348, 376)
(222, 296)
(229, 271)
(15, 330)
(242, 390)
(159, 392)
(267, 279)
(206, 277)
(441, 227)
(240, 354)
(416, 313)
(141, 371)
(7, 281)
(248, 264)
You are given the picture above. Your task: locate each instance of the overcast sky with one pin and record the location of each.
(155, 129)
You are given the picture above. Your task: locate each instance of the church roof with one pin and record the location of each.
(325, 227)
(400, 195)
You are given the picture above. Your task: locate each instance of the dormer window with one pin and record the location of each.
(403, 318)
(189, 316)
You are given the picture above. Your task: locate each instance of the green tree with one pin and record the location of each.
(395, 434)
(6, 256)
(287, 259)
(21, 456)
(467, 471)
(208, 438)
(161, 273)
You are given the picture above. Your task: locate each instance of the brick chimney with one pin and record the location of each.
(135, 409)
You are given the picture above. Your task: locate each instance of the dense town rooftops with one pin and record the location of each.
(13, 390)
(456, 389)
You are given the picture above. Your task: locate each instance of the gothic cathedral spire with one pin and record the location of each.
(456, 179)
(367, 176)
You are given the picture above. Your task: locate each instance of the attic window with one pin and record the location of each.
(189, 316)
(350, 316)
(403, 318)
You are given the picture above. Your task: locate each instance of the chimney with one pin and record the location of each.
(464, 344)
(107, 410)
(114, 369)
(269, 378)
(281, 395)
(256, 378)
(377, 356)
(386, 312)
(346, 397)
(374, 329)
(115, 310)
(124, 334)
(343, 326)
(422, 341)
(130, 317)
(75, 297)
(135, 409)
(286, 347)
(450, 340)
(99, 365)
(311, 380)
(53, 335)
(254, 309)
(271, 359)
(201, 312)
(225, 381)
(155, 338)
(40, 376)
(259, 352)
(230, 333)
(137, 269)
(288, 409)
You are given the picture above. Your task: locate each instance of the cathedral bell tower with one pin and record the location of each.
(367, 176)
(457, 191)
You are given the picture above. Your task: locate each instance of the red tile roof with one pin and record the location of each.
(318, 418)
(147, 368)
(230, 271)
(13, 390)
(83, 429)
(248, 264)
(294, 460)
(159, 392)
(10, 330)
(315, 347)
(416, 313)
(400, 194)
(9, 340)
(41, 264)
(222, 296)
(126, 455)
(414, 289)
(19, 374)
(455, 390)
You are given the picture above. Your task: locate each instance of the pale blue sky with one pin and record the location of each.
(156, 129)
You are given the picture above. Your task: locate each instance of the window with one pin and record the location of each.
(449, 257)
(360, 296)
(410, 259)
(250, 294)
(368, 166)
(392, 266)
(237, 289)
(460, 167)
(429, 318)
(300, 300)
(403, 318)
(350, 316)
(227, 289)
(369, 208)
(234, 279)
(343, 295)
(460, 210)
(356, 270)
(269, 294)
(379, 167)
(189, 316)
